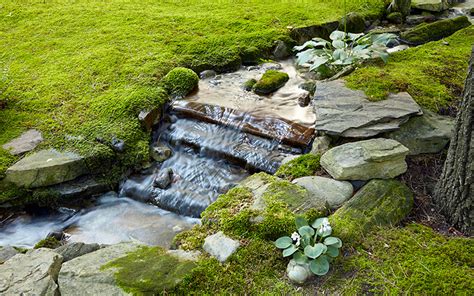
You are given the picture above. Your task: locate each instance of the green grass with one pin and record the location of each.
(78, 70)
(433, 73)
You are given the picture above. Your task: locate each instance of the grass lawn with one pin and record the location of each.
(78, 70)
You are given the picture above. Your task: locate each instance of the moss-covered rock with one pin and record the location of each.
(395, 17)
(248, 85)
(180, 81)
(304, 165)
(424, 33)
(271, 81)
(378, 203)
(353, 22)
(49, 242)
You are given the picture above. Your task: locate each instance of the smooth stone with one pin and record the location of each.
(163, 179)
(333, 192)
(379, 203)
(160, 152)
(320, 145)
(149, 118)
(364, 160)
(33, 273)
(6, 253)
(185, 255)
(83, 275)
(220, 246)
(75, 249)
(24, 143)
(430, 5)
(298, 273)
(206, 74)
(303, 98)
(46, 167)
(429, 133)
(345, 112)
(281, 50)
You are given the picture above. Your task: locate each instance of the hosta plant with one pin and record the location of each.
(311, 244)
(328, 57)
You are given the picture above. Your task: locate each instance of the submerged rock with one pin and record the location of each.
(429, 133)
(329, 191)
(345, 112)
(220, 246)
(271, 81)
(33, 273)
(46, 167)
(160, 152)
(24, 143)
(163, 179)
(248, 85)
(281, 50)
(430, 5)
(435, 31)
(365, 160)
(303, 98)
(379, 203)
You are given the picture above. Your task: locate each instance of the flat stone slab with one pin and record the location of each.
(75, 249)
(46, 167)
(272, 127)
(24, 143)
(33, 273)
(6, 253)
(345, 112)
(430, 5)
(220, 246)
(365, 160)
(335, 193)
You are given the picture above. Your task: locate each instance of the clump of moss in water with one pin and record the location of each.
(271, 81)
(49, 242)
(180, 81)
(248, 85)
(304, 165)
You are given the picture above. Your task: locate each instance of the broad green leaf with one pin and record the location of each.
(305, 240)
(300, 222)
(338, 54)
(331, 240)
(314, 252)
(319, 222)
(283, 242)
(383, 56)
(311, 44)
(300, 258)
(339, 44)
(354, 37)
(318, 61)
(304, 56)
(332, 251)
(337, 35)
(306, 231)
(289, 251)
(319, 266)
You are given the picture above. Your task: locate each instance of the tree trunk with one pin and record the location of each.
(455, 190)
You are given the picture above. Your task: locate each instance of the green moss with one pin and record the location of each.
(49, 242)
(413, 260)
(353, 22)
(149, 271)
(304, 165)
(427, 32)
(271, 81)
(248, 85)
(433, 73)
(180, 81)
(395, 17)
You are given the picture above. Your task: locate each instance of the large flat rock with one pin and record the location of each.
(46, 167)
(284, 130)
(33, 273)
(24, 143)
(345, 112)
(430, 5)
(335, 193)
(365, 160)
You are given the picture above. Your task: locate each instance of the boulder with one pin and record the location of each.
(148, 118)
(320, 145)
(24, 143)
(345, 112)
(46, 167)
(281, 50)
(329, 191)
(33, 273)
(6, 253)
(303, 98)
(220, 246)
(75, 249)
(379, 203)
(353, 22)
(424, 33)
(430, 5)
(365, 160)
(270, 82)
(429, 133)
(84, 275)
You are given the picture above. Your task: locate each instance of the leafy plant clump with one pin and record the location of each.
(311, 245)
(344, 49)
(304, 165)
(180, 81)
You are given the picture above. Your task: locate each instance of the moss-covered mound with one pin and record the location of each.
(432, 73)
(180, 81)
(378, 203)
(49, 242)
(271, 81)
(435, 31)
(304, 165)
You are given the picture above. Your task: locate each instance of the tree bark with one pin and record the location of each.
(455, 190)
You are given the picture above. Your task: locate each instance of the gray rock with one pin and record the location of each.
(348, 113)
(160, 152)
(429, 133)
(6, 253)
(298, 273)
(271, 66)
(281, 50)
(220, 246)
(320, 145)
(430, 5)
(82, 187)
(33, 273)
(365, 160)
(329, 191)
(148, 118)
(185, 255)
(83, 275)
(402, 6)
(75, 249)
(24, 143)
(206, 74)
(417, 19)
(163, 179)
(46, 167)
(303, 98)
